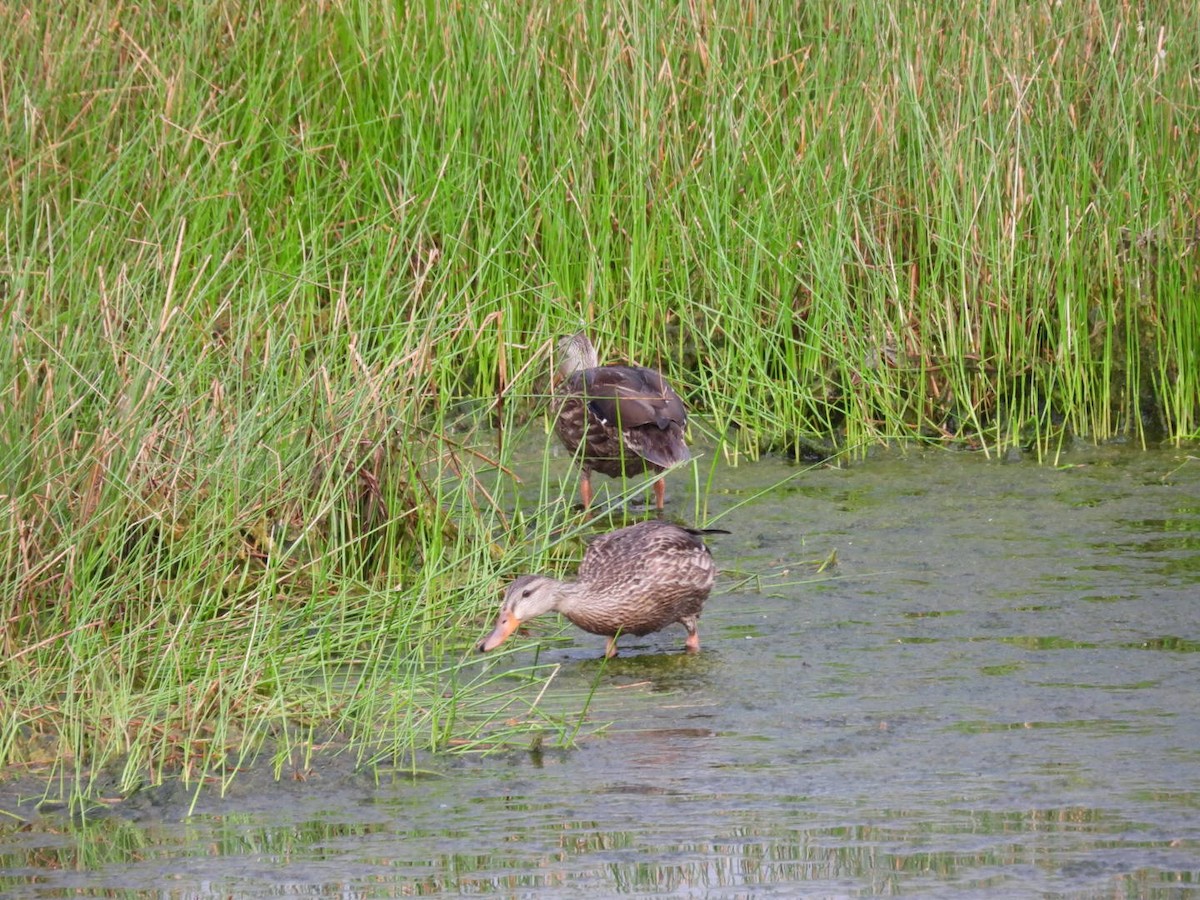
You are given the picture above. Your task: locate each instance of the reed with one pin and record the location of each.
(279, 284)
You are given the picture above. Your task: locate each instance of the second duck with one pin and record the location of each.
(619, 420)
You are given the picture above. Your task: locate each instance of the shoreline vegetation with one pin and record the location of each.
(279, 283)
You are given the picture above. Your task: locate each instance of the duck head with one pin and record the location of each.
(528, 596)
(575, 354)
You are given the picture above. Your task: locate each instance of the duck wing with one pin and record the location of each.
(639, 402)
(628, 553)
(632, 396)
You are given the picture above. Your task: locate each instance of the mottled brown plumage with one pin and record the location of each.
(627, 418)
(632, 581)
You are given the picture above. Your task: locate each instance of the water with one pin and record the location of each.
(992, 692)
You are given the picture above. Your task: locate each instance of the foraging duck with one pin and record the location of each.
(632, 581)
(627, 418)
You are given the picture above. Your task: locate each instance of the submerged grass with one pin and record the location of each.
(278, 286)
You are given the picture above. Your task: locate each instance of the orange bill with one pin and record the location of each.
(507, 625)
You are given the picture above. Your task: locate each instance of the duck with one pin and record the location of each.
(634, 580)
(617, 420)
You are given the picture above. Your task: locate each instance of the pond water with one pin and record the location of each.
(993, 689)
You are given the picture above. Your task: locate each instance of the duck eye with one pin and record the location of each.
(526, 592)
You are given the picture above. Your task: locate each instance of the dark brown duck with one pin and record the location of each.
(619, 420)
(632, 581)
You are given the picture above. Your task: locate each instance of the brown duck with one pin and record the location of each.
(632, 581)
(627, 418)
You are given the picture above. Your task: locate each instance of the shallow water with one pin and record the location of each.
(992, 691)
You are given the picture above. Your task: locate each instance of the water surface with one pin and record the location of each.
(993, 690)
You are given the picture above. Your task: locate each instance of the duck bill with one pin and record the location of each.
(507, 625)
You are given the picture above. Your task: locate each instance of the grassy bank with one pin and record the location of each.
(274, 277)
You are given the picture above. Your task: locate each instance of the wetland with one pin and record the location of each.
(930, 675)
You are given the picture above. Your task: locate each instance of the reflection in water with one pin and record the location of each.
(899, 852)
(993, 691)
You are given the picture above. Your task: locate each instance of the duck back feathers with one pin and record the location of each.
(641, 579)
(628, 419)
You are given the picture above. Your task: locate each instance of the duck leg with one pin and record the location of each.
(585, 488)
(692, 644)
(660, 494)
(610, 650)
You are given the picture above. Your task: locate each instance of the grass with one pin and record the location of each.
(278, 285)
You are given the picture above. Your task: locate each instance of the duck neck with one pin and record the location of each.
(577, 355)
(567, 595)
